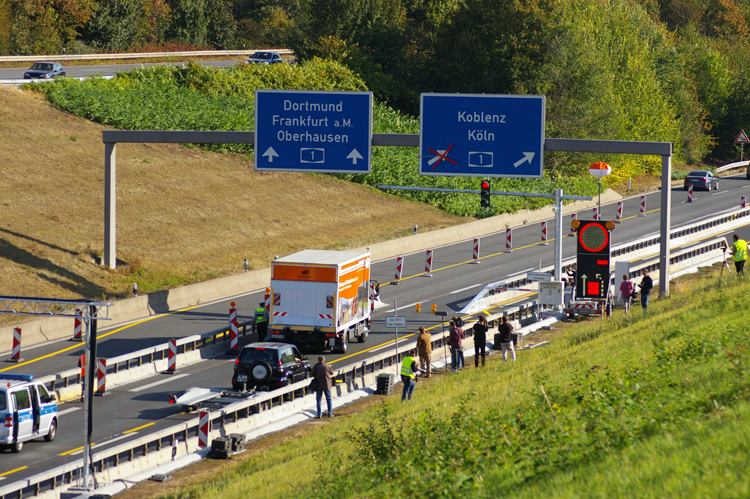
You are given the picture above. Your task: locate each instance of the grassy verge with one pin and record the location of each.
(653, 405)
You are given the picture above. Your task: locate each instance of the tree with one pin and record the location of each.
(189, 22)
(115, 25)
(221, 25)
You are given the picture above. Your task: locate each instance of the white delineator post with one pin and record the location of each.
(234, 330)
(428, 263)
(399, 268)
(596, 213)
(544, 233)
(204, 428)
(78, 326)
(172, 366)
(16, 352)
(476, 250)
(619, 212)
(643, 206)
(101, 377)
(508, 240)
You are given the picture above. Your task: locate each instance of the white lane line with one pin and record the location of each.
(402, 307)
(157, 383)
(121, 437)
(465, 289)
(68, 411)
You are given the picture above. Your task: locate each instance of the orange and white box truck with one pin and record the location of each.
(320, 299)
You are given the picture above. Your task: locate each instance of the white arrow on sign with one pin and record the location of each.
(527, 156)
(271, 154)
(354, 156)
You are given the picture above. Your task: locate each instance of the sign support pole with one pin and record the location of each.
(398, 360)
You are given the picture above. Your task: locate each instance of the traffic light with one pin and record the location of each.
(593, 252)
(484, 193)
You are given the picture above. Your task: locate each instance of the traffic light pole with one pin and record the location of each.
(558, 234)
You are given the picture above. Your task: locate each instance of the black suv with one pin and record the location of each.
(267, 366)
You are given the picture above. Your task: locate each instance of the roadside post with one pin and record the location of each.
(442, 314)
(395, 322)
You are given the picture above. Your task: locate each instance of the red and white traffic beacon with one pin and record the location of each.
(600, 169)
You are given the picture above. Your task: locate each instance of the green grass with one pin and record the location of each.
(653, 405)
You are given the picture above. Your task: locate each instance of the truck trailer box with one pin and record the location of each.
(320, 298)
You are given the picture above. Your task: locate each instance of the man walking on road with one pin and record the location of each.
(480, 339)
(424, 347)
(323, 373)
(739, 253)
(260, 321)
(506, 339)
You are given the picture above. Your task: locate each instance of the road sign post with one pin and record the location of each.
(310, 131)
(742, 139)
(482, 135)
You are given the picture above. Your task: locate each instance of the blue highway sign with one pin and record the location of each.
(313, 131)
(482, 135)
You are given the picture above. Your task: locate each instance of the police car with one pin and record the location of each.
(27, 410)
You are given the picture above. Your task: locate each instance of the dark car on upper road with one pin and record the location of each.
(44, 70)
(267, 366)
(702, 179)
(265, 58)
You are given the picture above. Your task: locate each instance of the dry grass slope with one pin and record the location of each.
(184, 214)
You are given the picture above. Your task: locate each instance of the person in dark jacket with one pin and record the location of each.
(646, 285)
(323, 374)
(480, 339)
(455, 339)
(506, 339)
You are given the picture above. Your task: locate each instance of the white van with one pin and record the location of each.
(27, 410)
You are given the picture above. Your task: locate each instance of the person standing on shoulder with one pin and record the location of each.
(480, 339)
(323, 374)
(647, 284)
(455, 340)
(424, 347)
(626, 290)
(739, 253)
(260, 321)
(506, 339)
(409, 368)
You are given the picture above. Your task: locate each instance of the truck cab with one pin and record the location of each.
(27, 409)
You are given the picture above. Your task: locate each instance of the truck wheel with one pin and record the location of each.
(16, 447)
(341, 348)
(362, 337)
(52, 432)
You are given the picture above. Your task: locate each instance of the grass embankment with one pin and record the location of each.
(642, 405)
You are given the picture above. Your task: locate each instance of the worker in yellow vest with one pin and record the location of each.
(739, 253)
(260, 321)
(409, 368)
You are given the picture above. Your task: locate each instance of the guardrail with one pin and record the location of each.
(137, 55)
(732, 166)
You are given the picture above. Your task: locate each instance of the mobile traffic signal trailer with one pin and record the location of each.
(593, 290)
(321, 299)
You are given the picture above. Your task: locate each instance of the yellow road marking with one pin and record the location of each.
(13, 471)
(76, 449)
(139, 428)
(98, 337)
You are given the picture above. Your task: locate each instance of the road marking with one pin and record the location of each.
(98, 337)
(465, 289)
(75, 451)
(402, 307)
(386, 345)
(68, 411)
(157, 383)
(13, 471)
(139, 428)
